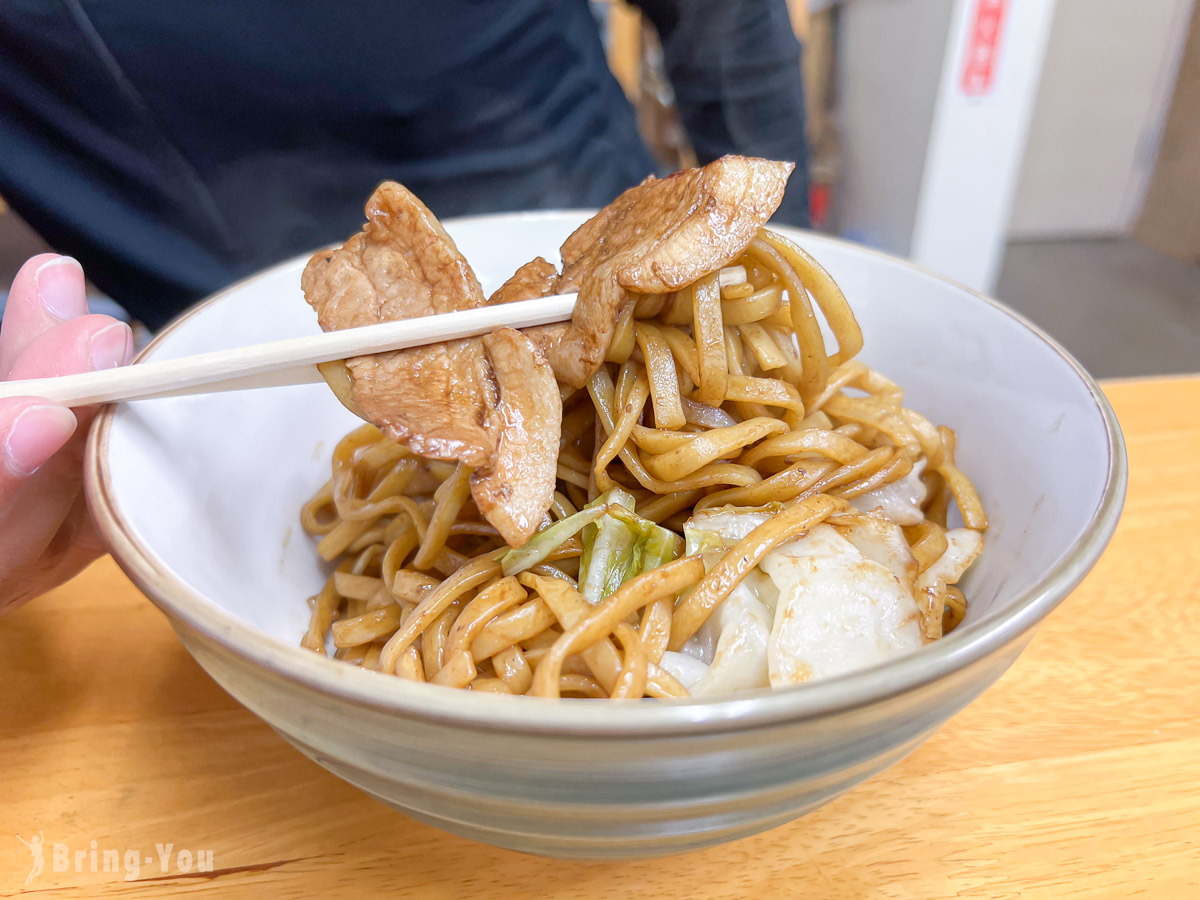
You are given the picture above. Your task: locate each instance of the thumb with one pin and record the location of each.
(31, 431)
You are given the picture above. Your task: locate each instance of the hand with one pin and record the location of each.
(46, 535)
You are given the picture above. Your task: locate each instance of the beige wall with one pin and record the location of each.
(1105, 89)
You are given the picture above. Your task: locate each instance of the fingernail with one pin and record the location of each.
(35, 436)
(111, 346)
(59, 288)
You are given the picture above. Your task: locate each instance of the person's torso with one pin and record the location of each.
(254, 131)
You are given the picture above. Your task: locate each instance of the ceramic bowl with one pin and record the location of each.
(199, 497)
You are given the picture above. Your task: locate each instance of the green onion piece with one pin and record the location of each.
(662, 546)
(604, 543)
(621, 546)
(549, 539)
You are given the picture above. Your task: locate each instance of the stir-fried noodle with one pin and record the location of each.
(721, 394)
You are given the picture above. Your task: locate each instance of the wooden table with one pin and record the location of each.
(1077, 775)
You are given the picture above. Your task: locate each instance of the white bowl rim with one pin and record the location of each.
(615, 719)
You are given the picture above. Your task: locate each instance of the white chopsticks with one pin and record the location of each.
(280, 363)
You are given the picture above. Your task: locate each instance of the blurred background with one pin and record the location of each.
(1047, 153)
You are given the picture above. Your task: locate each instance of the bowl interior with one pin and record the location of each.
(211, 485)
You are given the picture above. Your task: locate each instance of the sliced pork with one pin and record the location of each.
(660, 236)
(491, 403)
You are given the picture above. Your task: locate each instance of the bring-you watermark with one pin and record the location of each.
(131, 863)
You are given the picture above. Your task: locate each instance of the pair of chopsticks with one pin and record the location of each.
(280, 363)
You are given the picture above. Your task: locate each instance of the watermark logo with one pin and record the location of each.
(39, 856)
(127, 862)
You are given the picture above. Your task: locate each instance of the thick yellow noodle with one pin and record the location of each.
(712, 396)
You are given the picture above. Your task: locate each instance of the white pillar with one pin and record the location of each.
(985, 101)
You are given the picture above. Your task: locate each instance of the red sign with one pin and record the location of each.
(983, 47)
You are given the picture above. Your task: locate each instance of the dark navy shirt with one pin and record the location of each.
(173, 147)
